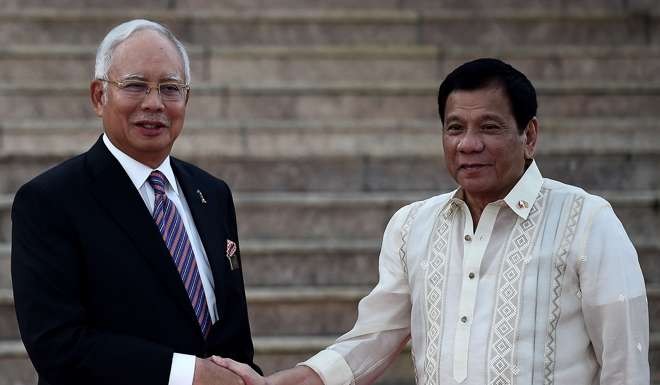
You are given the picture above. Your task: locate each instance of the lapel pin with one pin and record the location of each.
(201, 196)
(523, 204)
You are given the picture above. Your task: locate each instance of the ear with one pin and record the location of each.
(530, 137)
(98, 96)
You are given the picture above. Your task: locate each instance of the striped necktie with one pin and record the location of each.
(176, 239)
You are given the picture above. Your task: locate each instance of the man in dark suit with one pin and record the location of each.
(125, 261)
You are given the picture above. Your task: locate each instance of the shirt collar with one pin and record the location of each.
(138, 172)
(521, 197)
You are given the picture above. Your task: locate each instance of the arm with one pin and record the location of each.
(383, 325)
(614, 302)
(49, 291)
(381, 331)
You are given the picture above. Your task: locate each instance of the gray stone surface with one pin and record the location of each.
(272, 311)
(400, 373)
(292, 264)
(364, 216)
(230, 27)
(351, 64)
(328, 63)
(314, 138)
(272, 354)
(337, 101)
(17, 371)
(372, 174)
(302, 318)
(504, 27)
(336, 4)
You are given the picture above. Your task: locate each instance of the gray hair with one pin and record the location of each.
(122, 32)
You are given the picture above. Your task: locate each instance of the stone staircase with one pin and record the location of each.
(321, 115)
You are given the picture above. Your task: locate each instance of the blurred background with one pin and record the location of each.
(322, 117)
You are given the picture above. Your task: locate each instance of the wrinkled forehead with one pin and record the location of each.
(490, 100)
(146, 54)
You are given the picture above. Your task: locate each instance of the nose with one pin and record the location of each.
(470, 142)
(152, 101)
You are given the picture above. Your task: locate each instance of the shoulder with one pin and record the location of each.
(423, 207)
(57, 180)
(53, 191)
(589, 203)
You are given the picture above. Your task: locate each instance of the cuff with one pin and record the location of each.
(183, 369)
(331, 367)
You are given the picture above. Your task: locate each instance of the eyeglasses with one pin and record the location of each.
(138, 89)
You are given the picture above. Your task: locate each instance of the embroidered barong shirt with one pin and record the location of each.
(546, 290)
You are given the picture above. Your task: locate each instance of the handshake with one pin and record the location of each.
(225, 371)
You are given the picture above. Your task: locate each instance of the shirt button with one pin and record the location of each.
(468, 238)
(471, 275)
(464, 319)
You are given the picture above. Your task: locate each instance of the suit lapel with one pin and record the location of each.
(116, 193)
(204, 207)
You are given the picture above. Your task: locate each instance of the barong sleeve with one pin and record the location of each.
(614, 301)
(383, 325)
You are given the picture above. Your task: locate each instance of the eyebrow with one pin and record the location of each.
(485, 117)
(494, 117)
(139, 76)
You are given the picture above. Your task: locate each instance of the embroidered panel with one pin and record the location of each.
(504, 329)
(403, 254)
(405, 230)
(436, 267)
(558, 274)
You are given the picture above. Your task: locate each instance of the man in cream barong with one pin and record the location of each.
(510, 279)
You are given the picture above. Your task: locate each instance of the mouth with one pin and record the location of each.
(472, 166)
(151, 124)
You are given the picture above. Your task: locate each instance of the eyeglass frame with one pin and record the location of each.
(121, 84)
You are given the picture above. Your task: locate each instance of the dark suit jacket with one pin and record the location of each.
(98, 297)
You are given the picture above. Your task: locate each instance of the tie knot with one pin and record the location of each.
(157, 181)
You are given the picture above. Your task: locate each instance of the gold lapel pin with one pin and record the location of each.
(201, 196)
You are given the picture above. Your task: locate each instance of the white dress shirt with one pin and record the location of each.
(183, 365)
(546, 290)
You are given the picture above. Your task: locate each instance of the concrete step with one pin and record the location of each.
(318, 64)
(291, 263)
(15, 367)
(365, 172)
(273, 311)
(337, 100)
(343, 26)
(622, 5)
(316, 216)
(340, 262)
(271, 353)
(331, 138)
(299, 311)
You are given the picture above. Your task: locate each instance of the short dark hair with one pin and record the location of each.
(482, 73)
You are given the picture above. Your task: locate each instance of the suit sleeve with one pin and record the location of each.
(49, 294)
(248, 351)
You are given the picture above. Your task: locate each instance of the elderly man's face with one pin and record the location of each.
(144, 127)
(484, 152)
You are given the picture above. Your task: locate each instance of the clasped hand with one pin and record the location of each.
(233, 372)
(224, 371)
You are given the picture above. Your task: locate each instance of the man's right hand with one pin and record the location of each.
(249, 376)
(208, 373)
(299, 375)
